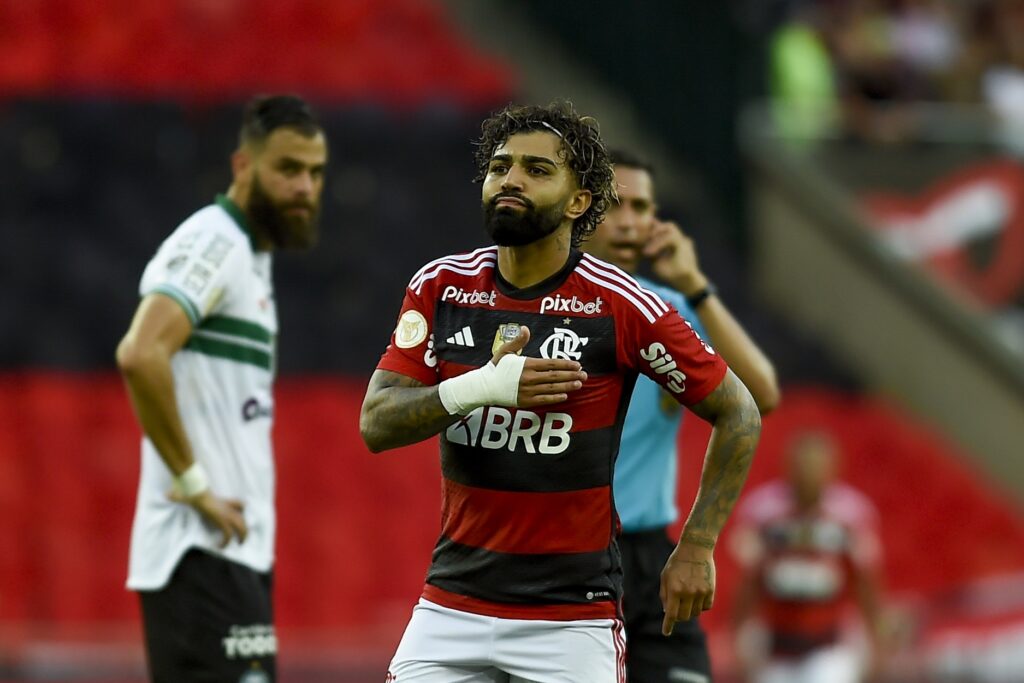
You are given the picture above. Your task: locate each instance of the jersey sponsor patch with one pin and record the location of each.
(573, 304)
(506, 332)
(496, 428)
(469, 297)
(256, 640)
(176, 263)
(217, 249)
(430, 356)
(197, 279)
(411, 330)
(663, 364)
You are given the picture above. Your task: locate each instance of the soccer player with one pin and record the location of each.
(198, 362)
(809, 547)
(645, 472)
(523, 357)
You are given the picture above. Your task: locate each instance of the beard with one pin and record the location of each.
(514, 227)
(272, 219)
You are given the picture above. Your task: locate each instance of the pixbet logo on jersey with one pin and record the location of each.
(559, 304)
(473, 297)
(495, 428)
(663, 364)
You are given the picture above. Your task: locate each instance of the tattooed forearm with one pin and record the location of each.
(398, 411)
(730, 451)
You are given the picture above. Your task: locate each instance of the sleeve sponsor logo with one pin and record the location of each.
(707, 347)
(559, 304)
(175, 264)
(411, 330)
(470, 297)
(188, 241)
(197, 279)
(563, 344)
(662, 363)
(429, 356)
(497, 428)
(217, 250)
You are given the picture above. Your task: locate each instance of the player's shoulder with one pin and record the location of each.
(462, 265)
(849, 504)
(210, 223)
(669, 295)
(622, 289)
(767, 500)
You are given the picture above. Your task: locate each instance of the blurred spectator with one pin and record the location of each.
(1002, 77)
(808, 546)
(802, 81)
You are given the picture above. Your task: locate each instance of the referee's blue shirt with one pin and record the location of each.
(645, 473)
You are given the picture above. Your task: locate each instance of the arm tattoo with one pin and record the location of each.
(399, 410)
(737, 427)
(705, 565)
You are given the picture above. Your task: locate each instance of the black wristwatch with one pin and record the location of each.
(701, 296)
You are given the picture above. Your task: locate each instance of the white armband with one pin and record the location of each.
(192, 481)
(491, 385)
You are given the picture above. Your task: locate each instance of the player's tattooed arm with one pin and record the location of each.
(399, 410)
(737, 427)
(688, 579)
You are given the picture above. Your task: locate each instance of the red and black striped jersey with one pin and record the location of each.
(528, 521)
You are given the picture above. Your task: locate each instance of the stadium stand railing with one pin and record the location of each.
(819, 265)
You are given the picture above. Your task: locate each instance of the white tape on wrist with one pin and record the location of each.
(491, 385)
(192, 481)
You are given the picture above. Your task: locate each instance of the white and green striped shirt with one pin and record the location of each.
(223, 381)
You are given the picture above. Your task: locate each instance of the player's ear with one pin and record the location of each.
(241, 163)
(578, 204)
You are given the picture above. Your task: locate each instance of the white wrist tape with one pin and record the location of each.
(491, 385)
(192, 481)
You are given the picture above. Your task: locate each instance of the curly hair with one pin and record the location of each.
(582, 150)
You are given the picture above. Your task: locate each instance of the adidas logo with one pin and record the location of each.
(463, 337)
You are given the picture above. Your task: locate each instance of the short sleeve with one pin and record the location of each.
(865, 545)
(672, 354)
(194, 267)
(745, 541)
(411, 351)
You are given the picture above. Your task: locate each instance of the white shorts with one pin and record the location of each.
(443, 645)
(836, 664)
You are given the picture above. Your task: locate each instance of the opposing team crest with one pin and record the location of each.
(506, 332)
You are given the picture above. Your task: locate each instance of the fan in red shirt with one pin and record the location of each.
(522, 357)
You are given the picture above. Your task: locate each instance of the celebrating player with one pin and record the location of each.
(198, 361)
(523, 358)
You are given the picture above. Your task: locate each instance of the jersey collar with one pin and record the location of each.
(236, 214)
(542, 288)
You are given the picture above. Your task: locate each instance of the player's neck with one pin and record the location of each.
(241, 200)
(531, 263)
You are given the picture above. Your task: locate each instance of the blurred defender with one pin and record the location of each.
(523, 358)
(198, 361)
(645, 472)
(808, 544)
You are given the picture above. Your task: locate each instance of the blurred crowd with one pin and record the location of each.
(834, 62)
